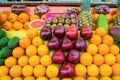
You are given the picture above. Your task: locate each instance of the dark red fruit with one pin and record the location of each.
(73, 56)
(53, 43)
(66, 44)
(58, 56)
(80, 44)
(66, 70)
(46, 33)
(86, 32)
(72, 32)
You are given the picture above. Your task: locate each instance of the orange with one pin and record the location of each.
(105, 70)
(6, 77)
(96, 39)
(31, 50)
(80, 70)
(31, 33)
(92, 78)
(43, 17)
(92, 70)
(94, 17)
(86, 59)
(105, 78)
(6, 12)
(10, 61)
(116, 78)
(27, 70)
(42, 50)
(116, 69)
(110, 59)
(110, 25)
(24, 42)
(46, 60)
(98, 59)
(3, 17)
(100, 31)
(7, 25)
(13, 17)
(26, 25)
(17, 25)
(33, 17)
(103, 49)
(114, 49)
(52, 71)
(109, 17)
(34, 60)
(79, 78)
(17, 78)
(118, 58)
(54, 78)
(3, 70)
(23, 60)
(29, 78)
(37, 41)
(108, 40)
(16, 71)
(92, 49)
(18, 52)
(42, 78)
(39, 70)
(23, 17)
(67, 79)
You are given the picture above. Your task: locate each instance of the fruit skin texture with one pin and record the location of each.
(116, 69)
(58, 56)
(92, 49)
(73, 56)
(66, 70)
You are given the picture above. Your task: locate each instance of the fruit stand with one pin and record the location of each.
(56, 40)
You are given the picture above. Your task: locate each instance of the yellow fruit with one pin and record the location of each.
(116, 69)
(52, 71)
(13, 17)
(42, 78)
(3, 17)
(39, 70)
(3, 70)
(105, 78)
(103, 49)
(92, 70)
(98, 59)
(6, 77)
(23, 17)
(114, 49)
(46, 60)
(31, 50)
(31, 33)
(86, 59)
(17, 78)
(100, 31)
(118, 58)
(18, 52)
(79, 78)
(105, 70)
(67, 79)
(23, 60)
(34, 60)
(54, 78)
(92, 78)
(16, 71)
(94, 17)
(27, 70)
(80, 70)
(10, 61)
(8, 25)
(26, 25)
(37, 41)
(43, 50)
(116, 78)
(109, 17)
(110, 59)
(96, 39)
(92, 49)
(108, 40)
(33, 17)
(17, 25)
(29, 78)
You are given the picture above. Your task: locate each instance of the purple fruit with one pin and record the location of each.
(59, 31)
(53, 43)
(66, 44)
(66, 70)
(58, 56)
(46, 33)
(73, 56)
(80, 44)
